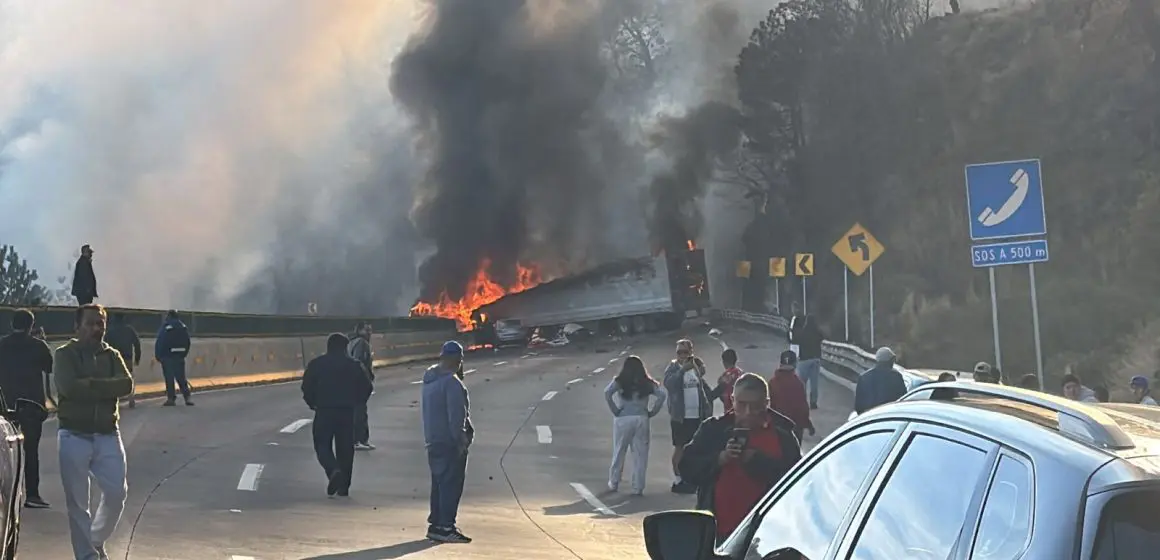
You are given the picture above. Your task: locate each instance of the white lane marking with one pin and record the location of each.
(416, 382)
(598, 370)
(623, 352)
(724, 346)
(549, 395)
(295, 426)
(497, 364)
(592, 499)
(250, 475)
(612, 361)
(544, 434)
(525, 356)
(473, 371)
(236, 557)
(577, 380)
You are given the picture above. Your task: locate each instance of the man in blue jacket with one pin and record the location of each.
(171, 348)
(880, 384)
(448, 432)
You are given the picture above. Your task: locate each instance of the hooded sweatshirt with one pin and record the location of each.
(172, 341)
(787, 395)
(335, 380)
(880, 384)
(446, 410)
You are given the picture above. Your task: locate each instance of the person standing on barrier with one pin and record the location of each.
(360, 349)
(334, 386)
(630, 424)
(880, 384)
(84, 286)
(171, 348)
(91, 378)
(25, 363)
(123, 337)
(447, 433)
(808, 338)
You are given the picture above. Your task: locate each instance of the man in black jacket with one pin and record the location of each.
(808, 338)
(25, 362)
(123, 337)
(737, 458)
(84, 286)
(334, 386)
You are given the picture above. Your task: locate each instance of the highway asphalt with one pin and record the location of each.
(235, 476)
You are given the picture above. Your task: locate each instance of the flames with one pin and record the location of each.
(692, 246)
(481, 290)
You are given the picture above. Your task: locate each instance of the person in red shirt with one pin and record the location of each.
(732, 372)
(737, 458)
(787, 394)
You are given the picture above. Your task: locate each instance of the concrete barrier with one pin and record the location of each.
(216, 363)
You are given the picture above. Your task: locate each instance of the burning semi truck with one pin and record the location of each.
(621, 297)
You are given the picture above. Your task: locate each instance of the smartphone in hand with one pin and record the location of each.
(740, 436)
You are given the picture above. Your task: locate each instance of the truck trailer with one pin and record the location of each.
(621, 297)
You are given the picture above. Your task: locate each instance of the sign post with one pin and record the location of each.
(777, 272)
(804, 267)
(1005, 201)
(858, 249)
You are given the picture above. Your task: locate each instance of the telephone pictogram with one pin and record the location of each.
(1022, 184)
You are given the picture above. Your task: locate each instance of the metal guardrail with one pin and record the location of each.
(840, 354)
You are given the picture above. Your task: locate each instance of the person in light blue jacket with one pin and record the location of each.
(628, 399)
(447, 433)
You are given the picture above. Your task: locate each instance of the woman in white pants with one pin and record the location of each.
(628, 399)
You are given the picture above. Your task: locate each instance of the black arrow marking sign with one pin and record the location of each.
(804, 265)
(858, 243)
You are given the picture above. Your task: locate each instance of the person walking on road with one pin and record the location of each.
(880, 384)
(90, 379)
(734, 460)
(732, 372)
(630, 425)
(1140, 390)
(690, 402)
(787, 395)
(334, 386)
(171, 348)
(809, 338)
(360, 349)
(448, 433)
(25, 363)
(123, 337)
(84, 286)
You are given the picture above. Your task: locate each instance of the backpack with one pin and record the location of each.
(177, 337)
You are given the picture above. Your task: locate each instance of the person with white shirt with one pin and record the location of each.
(628, 399)
(690, 402)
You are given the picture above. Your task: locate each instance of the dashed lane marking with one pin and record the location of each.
(544, 434)
(613, 361)
(724, 346)
(549, 395)
(473, 371)
(525, 356)
(295, 426)
(598, 370)
(236, 557)
(416, 382)
(577, 380)
(497, 364)
(250, 476)
(592, 499)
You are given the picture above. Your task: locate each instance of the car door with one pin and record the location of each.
(812, 505)
(925, 505)
(11, 471)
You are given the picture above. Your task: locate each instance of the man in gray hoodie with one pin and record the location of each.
(360, 349)
(447, 433)
(690, 402)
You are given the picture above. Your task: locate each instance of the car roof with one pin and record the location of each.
(1033, 423)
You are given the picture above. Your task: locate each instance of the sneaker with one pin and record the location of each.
(363, 446)
(452, 535)
(684, 488)
(343, 493)
(36, 502)
(333, 482)
(813, 406)
(188, 402)
(637, 493)
(432, 532)
(613, 488)
(169, 403)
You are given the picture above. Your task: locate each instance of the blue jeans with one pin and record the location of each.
(100, 457)
(448, 471)
(809, 371)
(174, 371)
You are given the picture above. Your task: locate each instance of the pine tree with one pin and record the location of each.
(18, 281)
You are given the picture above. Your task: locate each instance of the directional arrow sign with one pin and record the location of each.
(858, 249)
(803, 264)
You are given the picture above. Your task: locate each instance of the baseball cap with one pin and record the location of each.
(983, 368)
(884, 355)
(451, 348)
(788, 358)
(1139, 381)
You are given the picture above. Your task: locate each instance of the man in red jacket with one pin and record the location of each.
(787, 394)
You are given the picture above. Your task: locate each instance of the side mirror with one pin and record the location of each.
(788, 553)
(680, 535)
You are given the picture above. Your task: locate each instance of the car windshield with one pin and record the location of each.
(1130, 527)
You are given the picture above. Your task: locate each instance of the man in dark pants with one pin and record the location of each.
(448, 433)
(84, 286)
(360, 349)
(171, 348)
(25, 362)
(123, 337)
(333, 386)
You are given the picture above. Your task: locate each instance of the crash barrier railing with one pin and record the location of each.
(846, 356)
(58, 323)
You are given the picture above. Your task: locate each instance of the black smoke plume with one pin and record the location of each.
(694, 143)
(504, 96)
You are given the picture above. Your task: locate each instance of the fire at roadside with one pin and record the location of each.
(481, 290)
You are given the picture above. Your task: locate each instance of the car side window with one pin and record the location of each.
(1005, 524)
(924, 502)
(807, 516)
